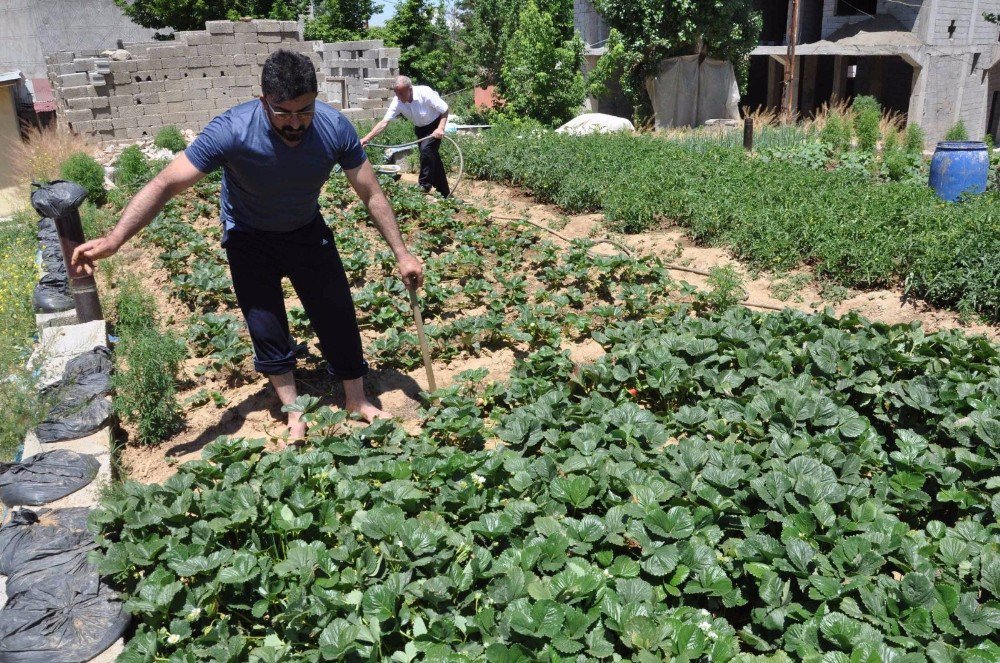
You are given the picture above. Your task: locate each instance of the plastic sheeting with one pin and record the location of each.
(65, 619)
(34, 534)
(46, 477)
(81, 404)
(686, 93)
(593, 123)
(57, 198)
(52, 291)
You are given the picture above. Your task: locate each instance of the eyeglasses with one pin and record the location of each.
(302, 114)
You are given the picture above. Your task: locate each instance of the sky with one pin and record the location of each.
(388, 9)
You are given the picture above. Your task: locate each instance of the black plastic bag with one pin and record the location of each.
(68, 619)
(46, 477)
(57, 198)
(81, 406)
(31, 536)
(46, 226)
(52, 298)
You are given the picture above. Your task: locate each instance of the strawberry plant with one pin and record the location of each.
(789, 486)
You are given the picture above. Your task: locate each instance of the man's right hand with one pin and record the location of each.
(87, 253)
(365, 141)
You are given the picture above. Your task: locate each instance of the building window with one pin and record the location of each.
(856, 7)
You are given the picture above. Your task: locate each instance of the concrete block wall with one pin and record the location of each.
(188, 81)
(910, 14)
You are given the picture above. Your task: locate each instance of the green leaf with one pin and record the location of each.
(676, 523)
(978, 619)
(338, 639)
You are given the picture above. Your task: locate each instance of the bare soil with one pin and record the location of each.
(252, 409)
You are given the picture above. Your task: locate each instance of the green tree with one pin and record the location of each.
(541, 75)
(488, 25)
(655, 29)
(192, 14)
(341, 20)
(429, 49)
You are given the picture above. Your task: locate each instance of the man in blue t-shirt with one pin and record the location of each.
(276, 153)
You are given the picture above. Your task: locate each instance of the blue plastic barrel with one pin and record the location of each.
(959, 167)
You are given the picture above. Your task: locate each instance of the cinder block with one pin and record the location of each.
(197, 39)
(77, 91)
(219, 27)
(103, 125)
(173, 118)
(79, 103)
(198, 116)
(100, 102)
(119, 100)
(60, 57)
(198, 61)
(148, 98)
(255, 49)
(171, 96)
(268, 38)
(222, 40)
(241, 60)
(221, 60)
(196, 95)
(243, 27)
(201, 84)
(83, 64)
(165, 51)
(78, 115)
(178, 107)
(267, 26)
(74, 79)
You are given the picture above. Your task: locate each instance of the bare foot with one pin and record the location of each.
(368, 412)
(296, 435)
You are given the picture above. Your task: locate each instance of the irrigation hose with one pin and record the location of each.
(624, 249)
(461, 159)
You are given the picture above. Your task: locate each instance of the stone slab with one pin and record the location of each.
(57, 345)
(43, 320)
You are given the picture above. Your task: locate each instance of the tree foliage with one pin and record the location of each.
(655, 29)
(341, 20)
(541, 75)
(333, 20)
(429, 47)
(488, 25)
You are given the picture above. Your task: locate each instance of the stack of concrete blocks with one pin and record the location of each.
(358, 76)
(188, 81)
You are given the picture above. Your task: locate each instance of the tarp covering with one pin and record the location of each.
(46, 477)
(686, 92)
(591, 123)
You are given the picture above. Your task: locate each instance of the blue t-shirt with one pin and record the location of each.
(267, 185)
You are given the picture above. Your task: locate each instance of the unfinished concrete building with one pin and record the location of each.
(932, 61)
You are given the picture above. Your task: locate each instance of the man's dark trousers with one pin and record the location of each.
(431, 167)
(308, 258)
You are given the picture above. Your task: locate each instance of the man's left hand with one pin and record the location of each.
(438, 134)
(411, 270)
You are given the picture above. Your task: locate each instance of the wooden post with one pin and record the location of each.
(748, 134)
(793, 36)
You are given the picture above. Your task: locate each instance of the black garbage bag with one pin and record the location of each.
(32, 535)
(46, 477)
(46, 226)
(49, 298)
(66, 619)
(81, 406)
(57, 198)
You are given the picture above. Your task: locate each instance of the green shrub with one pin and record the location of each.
(132, 169)
(957, 132)
(836, 132)
(170, 138)
(914, 138)
(147, 362)
(134, 308)
(775, 214)
(85, 171)
(97, 221)
(867, 118)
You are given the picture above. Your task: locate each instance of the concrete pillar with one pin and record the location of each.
(839, 79)
(775, 75)
(808, 76)
(918, 89)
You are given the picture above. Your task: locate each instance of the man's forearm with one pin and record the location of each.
(376, 130)
(140, 211)
(385, 220)
(443, 121)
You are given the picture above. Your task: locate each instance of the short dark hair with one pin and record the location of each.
(287, 75)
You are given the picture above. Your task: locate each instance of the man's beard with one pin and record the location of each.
(293, 135)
